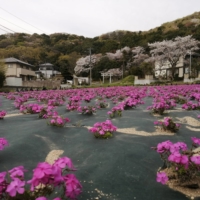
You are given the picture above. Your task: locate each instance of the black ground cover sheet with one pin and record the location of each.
(122, 168)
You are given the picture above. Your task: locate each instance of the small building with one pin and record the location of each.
(46, 70)
(164, 68)
(18, 71)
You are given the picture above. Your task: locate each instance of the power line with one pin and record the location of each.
(15, 25)
(4, 30)
(7, 28)
(20, 19)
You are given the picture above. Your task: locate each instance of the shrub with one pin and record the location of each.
(168, 125)
(58, 121)
(89, 110)
(183, 162)
(103, 129)
(46, 179)
(2, 114)
(3, 143)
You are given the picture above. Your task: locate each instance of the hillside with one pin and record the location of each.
(59, 48)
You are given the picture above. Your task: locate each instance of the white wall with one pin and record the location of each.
(143, 81)
(13, 81)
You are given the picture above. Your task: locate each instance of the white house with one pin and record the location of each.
(164, 68)
(18, 71)
(46, 70)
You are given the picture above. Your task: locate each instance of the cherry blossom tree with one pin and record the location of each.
(139, 55)
(171, 51)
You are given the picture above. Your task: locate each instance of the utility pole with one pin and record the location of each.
(90, 67)
(190, 63)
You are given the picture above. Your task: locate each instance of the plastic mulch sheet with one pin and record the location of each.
(122, 168)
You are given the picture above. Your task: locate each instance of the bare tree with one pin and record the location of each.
(172, 50)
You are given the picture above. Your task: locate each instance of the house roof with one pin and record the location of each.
(46, 66)
(14, 60)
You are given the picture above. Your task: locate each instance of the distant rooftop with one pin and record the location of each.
(46, 66)
(14, 60)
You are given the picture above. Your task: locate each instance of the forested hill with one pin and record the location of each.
(60, 47)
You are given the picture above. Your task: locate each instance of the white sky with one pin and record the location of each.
(91, 18)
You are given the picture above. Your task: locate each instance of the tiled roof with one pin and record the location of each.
(14, 60)
(45, 64)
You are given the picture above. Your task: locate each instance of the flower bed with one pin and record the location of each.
(2, 114)
(103, 129)
(3, 143)
(167, 125)
(58, 121)
(181, 166)
(46, 180)
(89, 110)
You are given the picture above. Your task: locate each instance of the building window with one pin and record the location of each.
(10, 66)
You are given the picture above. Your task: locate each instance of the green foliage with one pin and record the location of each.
(2, 78)
(128, 79)
(36, 48)
(136, 71)
(2, 73)
(64, 69)
(147, 68)
(6, 90)
(104, 64)
(105, 136)
(109, 46)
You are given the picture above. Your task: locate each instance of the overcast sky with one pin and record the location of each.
(90, 18)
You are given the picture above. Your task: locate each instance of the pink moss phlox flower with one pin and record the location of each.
(176, 147)
(184, 160)
(195, 140)
(3, 143)
(2, 177)
(67, 119)
(15, 186)
(162, 177)
(41, 174)
(198, 116)
(73, 186)
(93, 129)
(63, 162)
(103, 127)
(17, 172)
(57, 177)
(164, 146)
(156, 122)
(44, 198)
(178, 158)
(42, 170)
(41, 198)
(195, 160)
(2, 114)
(178, 125)
(52, 121)
(109, 112)
(59, 120)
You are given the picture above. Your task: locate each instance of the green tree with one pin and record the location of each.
(104, 65)
(2, 73)
(147, 68)
(64, 69)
